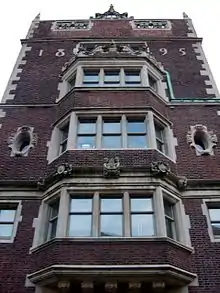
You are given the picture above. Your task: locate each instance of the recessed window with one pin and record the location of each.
(201, 141)
(53, 217)
(137, 133)
(160, 138)
(72, 82)
(112, 77)
(80, 216)
(111, 133)
(64, 137)
(142, 216)
(86, 134)
(111, 217)
(91, 77)
(152, 82)
(214, 214)
(7, 219)
(169, 219)
(132, 77)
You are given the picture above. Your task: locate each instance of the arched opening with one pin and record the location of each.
(22, 143)
(201, 141)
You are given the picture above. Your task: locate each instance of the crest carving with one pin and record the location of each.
(160, 168)
(111, 13)
(111, 167)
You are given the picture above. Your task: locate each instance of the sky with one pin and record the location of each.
(16, 17)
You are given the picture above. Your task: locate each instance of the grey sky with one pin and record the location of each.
(16, 16)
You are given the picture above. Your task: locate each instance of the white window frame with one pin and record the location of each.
(157, 194)
(17, 205)
(131, 64)
(150, 119)
(205, 208)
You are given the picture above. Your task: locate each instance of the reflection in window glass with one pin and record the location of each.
(214, 214)
(111, 217)
(111, 142)
(87, 127)
(86, 134)
(111, 127)
(137, 133)
(85, 142)
(91, 77)
(132, 77)
(80, 218)
(142, 218)
(112, 77)
(111, 134)
(7, 217)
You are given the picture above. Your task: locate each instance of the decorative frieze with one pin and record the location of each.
(71, 25)
(151, 24)
(111, 168)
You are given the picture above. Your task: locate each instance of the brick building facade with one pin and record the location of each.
(109, 160)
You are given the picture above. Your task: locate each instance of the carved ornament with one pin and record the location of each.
(111, 167)
(71, 25)
(120, 49)
(160, 168)
(182, 182)
(22, 140)
(111, 13)
(151, 24)
(200, 133)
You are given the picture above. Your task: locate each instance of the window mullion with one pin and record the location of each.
(101, 77)
(159, 213)
(72, 134)
(144, 76)
(126, 215)
(124, 131)
(151, 131)
(122, 77)
(99, 132)
(63, 214)
(95, 215)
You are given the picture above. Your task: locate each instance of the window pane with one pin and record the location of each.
(136, 127)
(159, 132)
(160, 145)
(142, 225)
(85, 142)
(132, 76)
(216, 229)
(79, 205)
(137, 141)
(53, 229)
(152, 82)
(111, 205)
(111, 127)
(112, 77)
(6, 230)
(111, 225)
(169, 228)
(141, 205)
(111, 141)
(80, 225)
(54, 207)
(63, 146)
(214, 214)
(65, 131)
(87, 127)
(91, 76)
(168, 208)
(7, 215)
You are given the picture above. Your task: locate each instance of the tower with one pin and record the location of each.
(109, 159)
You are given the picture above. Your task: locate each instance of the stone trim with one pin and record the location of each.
(151, 24)
(189, 23)
(2, 115)
(71, 25)
(18, 218)
(16, 71)
(34, 25)
(206, 71)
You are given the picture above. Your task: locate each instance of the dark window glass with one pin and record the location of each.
(112, 77)
(91, 78)
(132, 77)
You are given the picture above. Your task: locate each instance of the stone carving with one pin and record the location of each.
(88, 49)
(201, 139)
(71, 25)
(160, 168)
(151, 24)
(134, 285)
(21, 141)
(111, 286)
(111, 14)
(182, 182)
(63, 170)
(111, 167)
